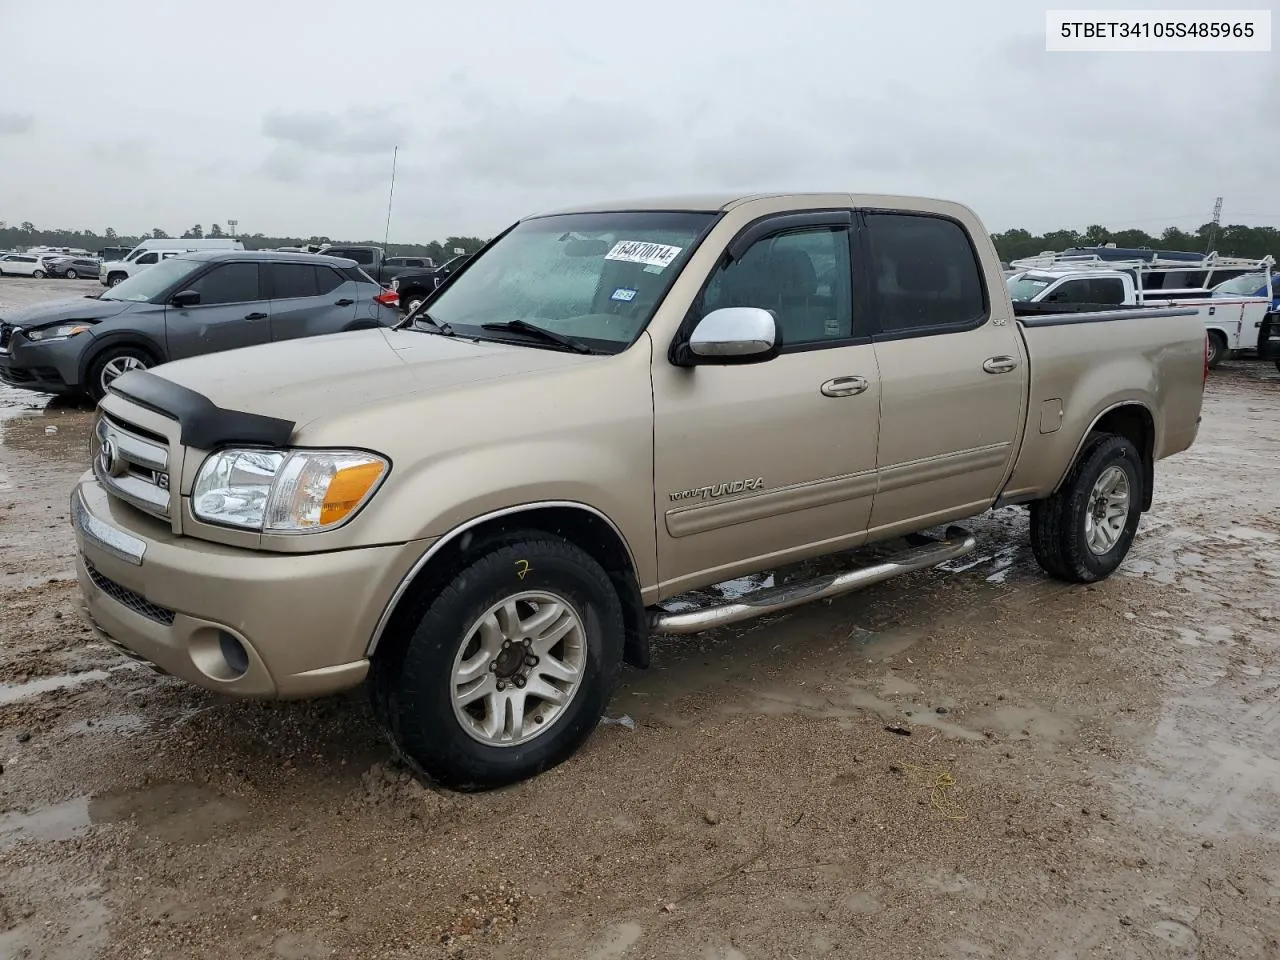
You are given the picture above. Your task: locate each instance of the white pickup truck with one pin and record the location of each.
(1232, 322)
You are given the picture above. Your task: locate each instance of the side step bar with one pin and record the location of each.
(958, 542)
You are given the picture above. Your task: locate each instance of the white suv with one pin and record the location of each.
(112, 272)
(23, 265)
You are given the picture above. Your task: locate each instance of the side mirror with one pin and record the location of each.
(186, 298)
(735, 335)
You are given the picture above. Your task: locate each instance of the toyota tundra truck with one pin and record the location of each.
(484, 512)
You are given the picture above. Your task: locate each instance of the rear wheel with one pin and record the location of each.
(506, 671)
(1217, 348)
(1083, 532)
(39, 274)
(112, 363)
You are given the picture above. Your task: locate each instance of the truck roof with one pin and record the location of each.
(717, 202)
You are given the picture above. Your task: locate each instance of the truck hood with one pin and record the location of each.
(80, 308)
(317, 377)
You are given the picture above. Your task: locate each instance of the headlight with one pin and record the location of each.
(300, 491)
(61, 332)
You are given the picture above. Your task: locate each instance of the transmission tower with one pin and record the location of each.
(1217, 222)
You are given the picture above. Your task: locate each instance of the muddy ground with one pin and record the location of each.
(972, 762)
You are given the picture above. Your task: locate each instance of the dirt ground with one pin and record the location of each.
(973, 762)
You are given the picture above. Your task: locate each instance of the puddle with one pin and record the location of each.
(892, 686)
(61, 821)
(617, 940)
(171, 812)
(12, 692)
(177, 813)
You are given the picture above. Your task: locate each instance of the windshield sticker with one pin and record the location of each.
(657, 255)
(625, 294)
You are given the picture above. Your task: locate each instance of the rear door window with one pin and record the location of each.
(292, 280)
(925, 275)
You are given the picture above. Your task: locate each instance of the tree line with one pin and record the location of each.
(1234, 240)
(27, 234)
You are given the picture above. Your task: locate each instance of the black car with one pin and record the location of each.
(413, 286)
(192, 304)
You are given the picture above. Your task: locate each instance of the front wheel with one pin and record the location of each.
(114, 279)
(507, 670)
(1083, 532)
(71, 274)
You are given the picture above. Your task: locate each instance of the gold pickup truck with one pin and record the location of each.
(482, 511)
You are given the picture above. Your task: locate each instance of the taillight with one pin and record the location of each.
(1208, 352)
(388, 298)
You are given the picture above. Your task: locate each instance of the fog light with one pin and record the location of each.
(219, 654)
(234, 653)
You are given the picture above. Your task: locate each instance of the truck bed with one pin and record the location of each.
(1151, 356)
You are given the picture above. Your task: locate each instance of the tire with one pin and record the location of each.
(1067, 540)
(416, 675)
(411, 298)
(70, 275)
(39, 275)
(1217, 349)
(112, 362)
(116, 278)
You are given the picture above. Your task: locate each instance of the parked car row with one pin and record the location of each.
(41, 265)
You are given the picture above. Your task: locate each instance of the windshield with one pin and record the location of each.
(1025, 288)
(152, 281)
(1245, 286)
(594, 277)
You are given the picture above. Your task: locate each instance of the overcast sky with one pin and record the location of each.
(283, 114)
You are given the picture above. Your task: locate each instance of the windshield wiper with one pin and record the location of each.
(541, 333)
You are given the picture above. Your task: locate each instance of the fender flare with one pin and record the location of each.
(506, 512)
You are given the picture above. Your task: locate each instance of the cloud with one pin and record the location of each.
(13, 123)
(352, 133)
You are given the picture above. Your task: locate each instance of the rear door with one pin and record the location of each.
(233, 312)
(308, 299)
(952, 369)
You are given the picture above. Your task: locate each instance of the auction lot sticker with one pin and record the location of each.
(657, 255)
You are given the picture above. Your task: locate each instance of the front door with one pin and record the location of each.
(953, 372)
(232, 313)
(765, 462)
(309, 299)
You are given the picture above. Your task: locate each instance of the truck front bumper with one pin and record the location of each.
(238, 622)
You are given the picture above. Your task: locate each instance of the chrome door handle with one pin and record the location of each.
(999, 364)
(844, 387)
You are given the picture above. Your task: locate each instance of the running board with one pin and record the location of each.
(958, 542)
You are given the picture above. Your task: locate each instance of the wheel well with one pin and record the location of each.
(581, 527)
(147, 348)
(1133, 422)
(1218, 335)
(412, 293)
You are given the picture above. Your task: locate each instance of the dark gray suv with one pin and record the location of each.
(189, 305)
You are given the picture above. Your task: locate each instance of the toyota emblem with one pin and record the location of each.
(108, 459)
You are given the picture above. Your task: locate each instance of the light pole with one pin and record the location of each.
(231, 225)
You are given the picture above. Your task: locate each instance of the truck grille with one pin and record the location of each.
(127, 598)
(133, 465)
